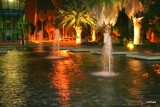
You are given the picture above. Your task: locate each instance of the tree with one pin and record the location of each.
(42, 18)
(56, 4)
(106, 12)
(49, 25)
(133, 9)
(75, 15)
(26, 28)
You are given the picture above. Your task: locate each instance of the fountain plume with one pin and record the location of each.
(56, 47)
(107, 54)
(56, 41)
(107, 14)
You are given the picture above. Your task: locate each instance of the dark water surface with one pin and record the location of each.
(28, 79)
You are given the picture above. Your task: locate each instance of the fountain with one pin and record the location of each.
(107, 54)
(106, 14)
(40, 42)
(56, 41)
(56, 50)
(106, 59)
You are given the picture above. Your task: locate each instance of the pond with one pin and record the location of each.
(30, 79)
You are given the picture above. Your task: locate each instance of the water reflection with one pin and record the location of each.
(25, 81)
(137, 75)
(135, 65)
(65, 77)
(156, 68)
(12, 87)
(146, 75)
(61, 81)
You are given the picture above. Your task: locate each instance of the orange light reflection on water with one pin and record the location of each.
(156, 68)
(62, 76)
(64, 53)
(135, 65)
(145, 75)
(61, 81)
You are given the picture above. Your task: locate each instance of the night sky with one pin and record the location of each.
(44, 5)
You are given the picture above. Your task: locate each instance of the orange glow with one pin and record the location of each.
(153, 37)
(147, 51)
(145, 75)
(64, 53)
(21, 42)
(137, 27)
(134, 81)
(36, 41)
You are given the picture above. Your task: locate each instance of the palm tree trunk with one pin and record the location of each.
(93, 35)
(78, 34)
(137, 27)
(42, 30)
(42, 36)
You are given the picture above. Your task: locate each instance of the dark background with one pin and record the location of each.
(44, 5)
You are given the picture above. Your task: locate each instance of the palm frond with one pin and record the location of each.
(75, 13)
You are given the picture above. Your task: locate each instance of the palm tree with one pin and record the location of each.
(49, 24)
(132, 8)
(42, 18)
(75, 15)
(49, 15)
(106, 12)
